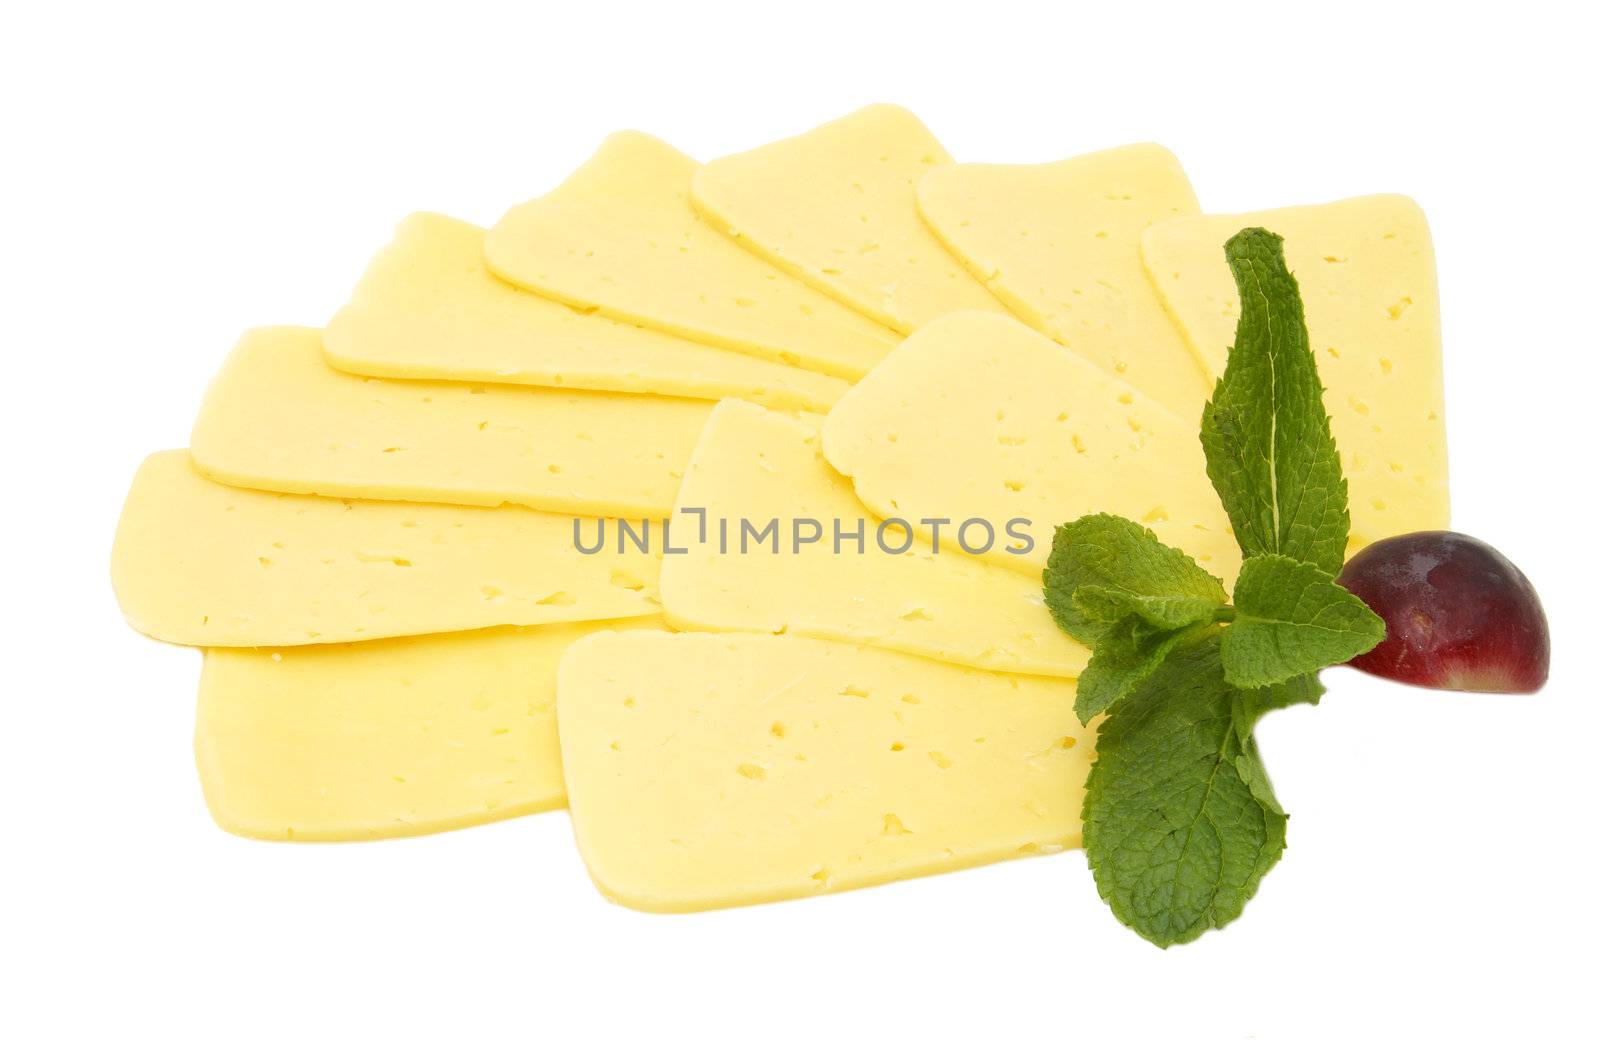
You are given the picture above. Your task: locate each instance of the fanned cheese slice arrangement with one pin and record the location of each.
(1059, 244)
(705, 771)
(756, 468)
(203, 564)
(384, 739)
(979, 416)
(428, 308)
(621, 237)
(278, 418)
(837, 207)
(717, 503)
(1367, 278)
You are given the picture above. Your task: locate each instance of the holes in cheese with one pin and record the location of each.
(705, 771)
(428, 308)
(278, 418)
(837, 208)
(384, 739)
(621, 236)
(1366, 274)
(762, 468)
(1059, 244)
(980, 416)
(203, 564)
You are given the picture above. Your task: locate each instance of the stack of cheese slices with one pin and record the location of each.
(383, 532)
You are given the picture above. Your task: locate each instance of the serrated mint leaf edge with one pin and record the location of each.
(1235, 757)
(1249, 706)
(1268, 460)
(1111, 678)
(1079, 558)
(1340, 627)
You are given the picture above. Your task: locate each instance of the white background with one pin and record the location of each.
(174, 174)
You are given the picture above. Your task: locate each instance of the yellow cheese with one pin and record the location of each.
(837, 207)
(202, 564)
(429, 309)
(1366, 274)
(384, 739)
(620, 236)
(279, 419)
(977, 415)
(705, 771)
(1059, 244)
(764, 468)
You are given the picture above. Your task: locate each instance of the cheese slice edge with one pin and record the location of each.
(385, 739)
(427, 308)
(278, 418)
(713, 770)
(979, 416)
(1058, 243)
(755, 480)
(836, 207)
(203, 564)
(620, 236)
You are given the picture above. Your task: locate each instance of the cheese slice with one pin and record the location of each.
(1366, 274)
(384, 739)
(977, 415)
(202, 564)
(279, 419)
(429, 309)
(837, 207)
(705, 771)
(1059, 244)
(620, 236)
(766, 468)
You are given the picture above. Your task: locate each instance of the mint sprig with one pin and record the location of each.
(1180, 821)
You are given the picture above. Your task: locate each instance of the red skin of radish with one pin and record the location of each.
(1460, 615)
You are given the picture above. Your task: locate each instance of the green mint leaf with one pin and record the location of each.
(1292, 619)
(1116, 554)
(1269, 451)
(1254, 775)
(1301, 690)
(1162, 611)
(1250, 705)
(1125, 659)
(1180, 823)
